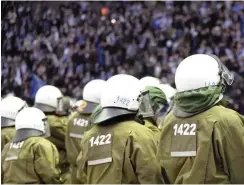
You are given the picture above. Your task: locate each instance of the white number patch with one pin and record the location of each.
(80, 122)
(16, 145)
(185, 129)
(101, 140)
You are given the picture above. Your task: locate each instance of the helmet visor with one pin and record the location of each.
(6, 122)
(161, 110)
(145, 109)
(60, 104)
(46, 128)
(225, 74)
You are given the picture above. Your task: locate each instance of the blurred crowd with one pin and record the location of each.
(67, 44)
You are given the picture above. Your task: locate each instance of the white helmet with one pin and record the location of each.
(9, 94)
(10, 107)
(119, 97)
(48, 98)
(30, 122)
(149, 81)
(168, 91)
(92, 91)
(91, 96)
(200, 70)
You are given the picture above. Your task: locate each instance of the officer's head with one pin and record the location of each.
(153, 103)
(67, 106)
(149, 81)
(10, 107)
(30, 122)
(119, 97)
(91, 96)
(201, 70)
(168, 90)
(49, 99)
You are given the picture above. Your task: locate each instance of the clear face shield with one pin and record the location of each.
(161, 110)
(60, 103)
(46, 128)
(148, 108)
(145, 109)
(225, 74)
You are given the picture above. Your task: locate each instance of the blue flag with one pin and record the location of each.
(36, 83)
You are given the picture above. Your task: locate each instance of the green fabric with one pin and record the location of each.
(220, 144)
(36, 163)
(156, 96)
(58, 129)
(197, 100)
(94, 114)
(66, 103)
(7, 135)
(132, 147)
(76, 125)
(66, 109)
(154, 129)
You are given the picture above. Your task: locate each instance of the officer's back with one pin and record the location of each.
(118, 149)
(50, 100)
(213, 140)
(30, 158)
(154, 104)
(78, 123)
(201, 141)
(19, 166)
(120, 153)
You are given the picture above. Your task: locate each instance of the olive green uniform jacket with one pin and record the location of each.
(32, 161)
(153, 128)
(77, 126)
(205, 148)
(7, 134)
(124, 152)
(58, 129)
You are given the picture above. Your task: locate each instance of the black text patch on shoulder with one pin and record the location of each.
(184, 139)
(100, 149)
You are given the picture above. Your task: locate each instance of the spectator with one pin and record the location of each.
(67, 44)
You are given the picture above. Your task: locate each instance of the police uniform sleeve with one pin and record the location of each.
(229, 146)
(46, 162)
(58, 128)
(3, 140)
(81, 164)
(3, 157)
(67, 138)
(144, 159)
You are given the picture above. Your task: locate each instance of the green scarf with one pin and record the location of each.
(198, 100)
(156, 97)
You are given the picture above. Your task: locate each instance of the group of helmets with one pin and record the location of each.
(118, 95)
(48, 99)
